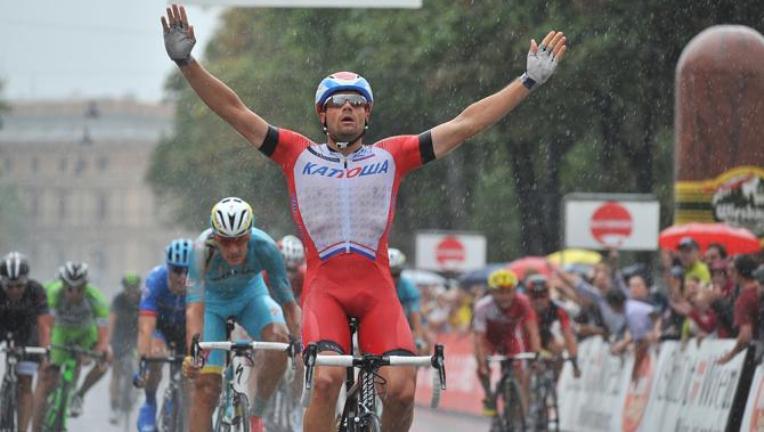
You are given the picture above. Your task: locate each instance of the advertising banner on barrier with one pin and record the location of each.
(753, 419)
(692, 392)
(594, 401)
(464, 393)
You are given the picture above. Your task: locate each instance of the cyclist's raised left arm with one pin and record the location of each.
(542, 60)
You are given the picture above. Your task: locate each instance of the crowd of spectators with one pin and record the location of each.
(688, 295)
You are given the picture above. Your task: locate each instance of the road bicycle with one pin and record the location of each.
(359, 413)
(127, 393)
(172, 409)
(543, 407)
(57, 403)
(9, 388)
(507, 394)
(233, 411)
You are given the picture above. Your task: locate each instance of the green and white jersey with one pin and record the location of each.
(92, 310)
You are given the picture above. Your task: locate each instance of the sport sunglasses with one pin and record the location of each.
(338, 100)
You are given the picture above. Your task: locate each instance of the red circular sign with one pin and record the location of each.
(450, 251)
(611, 224)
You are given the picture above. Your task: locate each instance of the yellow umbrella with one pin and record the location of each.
(575, 256)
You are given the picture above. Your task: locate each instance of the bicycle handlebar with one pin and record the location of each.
(312, 359)
(25, 350)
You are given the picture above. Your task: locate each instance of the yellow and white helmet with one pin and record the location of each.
(231, 217)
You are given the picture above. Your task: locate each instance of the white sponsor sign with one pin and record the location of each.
(753, 419)
(594, 401)
(450, 251)
(626, 222)
(407, 4)
(692, 392)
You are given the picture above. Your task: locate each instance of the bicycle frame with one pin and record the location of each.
(57, 404)
(171, 418)
(9, 390)
(508, 388)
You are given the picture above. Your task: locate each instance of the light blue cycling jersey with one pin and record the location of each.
(408, 295)
(237, 291)
(212, 280)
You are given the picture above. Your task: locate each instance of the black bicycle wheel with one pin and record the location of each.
(8, 402)
(345, 422)
(241, 408)
(373, 424)
(168, 413)
(510, 416)
(552, 410)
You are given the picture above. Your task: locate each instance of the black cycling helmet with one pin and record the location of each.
(536, 284)
(14, 267)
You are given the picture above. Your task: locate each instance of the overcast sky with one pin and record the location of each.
(53, 49)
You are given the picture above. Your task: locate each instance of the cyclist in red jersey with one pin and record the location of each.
(294, 258)
(550, 315)
(498, 323)
(342, 200)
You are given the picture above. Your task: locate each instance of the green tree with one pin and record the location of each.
(602, 124)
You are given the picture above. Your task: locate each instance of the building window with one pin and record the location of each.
(103, 163)
(80, 166)
(34, 204)
(35, 164)
(102, 207)
(8, 164)
(63, 164)
(62, 206)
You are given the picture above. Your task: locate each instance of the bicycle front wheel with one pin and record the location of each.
(511, 416)
(169, 414)
(8, 403)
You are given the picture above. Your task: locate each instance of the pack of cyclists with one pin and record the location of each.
(343, 194)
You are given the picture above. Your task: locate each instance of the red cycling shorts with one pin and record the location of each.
(350, 285)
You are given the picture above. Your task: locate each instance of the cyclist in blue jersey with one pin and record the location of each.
(410, 298)
(225, 280)
(162, 322)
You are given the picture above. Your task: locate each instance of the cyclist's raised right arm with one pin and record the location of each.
(179, 40)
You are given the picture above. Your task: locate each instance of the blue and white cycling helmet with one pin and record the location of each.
(178, 252)
(342, 81)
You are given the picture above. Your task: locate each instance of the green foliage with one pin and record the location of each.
(602, 124)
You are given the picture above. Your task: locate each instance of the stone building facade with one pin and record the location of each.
(78, 169)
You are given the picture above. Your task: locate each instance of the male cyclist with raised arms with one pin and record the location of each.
(24, 314)
(81, 317)
(225, 279)
(294, 258)
(498, 322)
(162, 322)
(551, 315)
(409, 297)
(342, 195)
(123, 333)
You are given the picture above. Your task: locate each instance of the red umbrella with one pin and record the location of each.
(539, 263)
(735, 240)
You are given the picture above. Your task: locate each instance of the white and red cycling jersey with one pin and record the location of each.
(344, 207)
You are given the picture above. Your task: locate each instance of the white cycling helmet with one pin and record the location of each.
(292, 249)
(397, 260)
(74, 273)
(231, 217)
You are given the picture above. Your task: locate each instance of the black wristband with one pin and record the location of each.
(527, 81)
(186, 61)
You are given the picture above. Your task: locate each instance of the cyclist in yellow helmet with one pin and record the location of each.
(497, 319)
